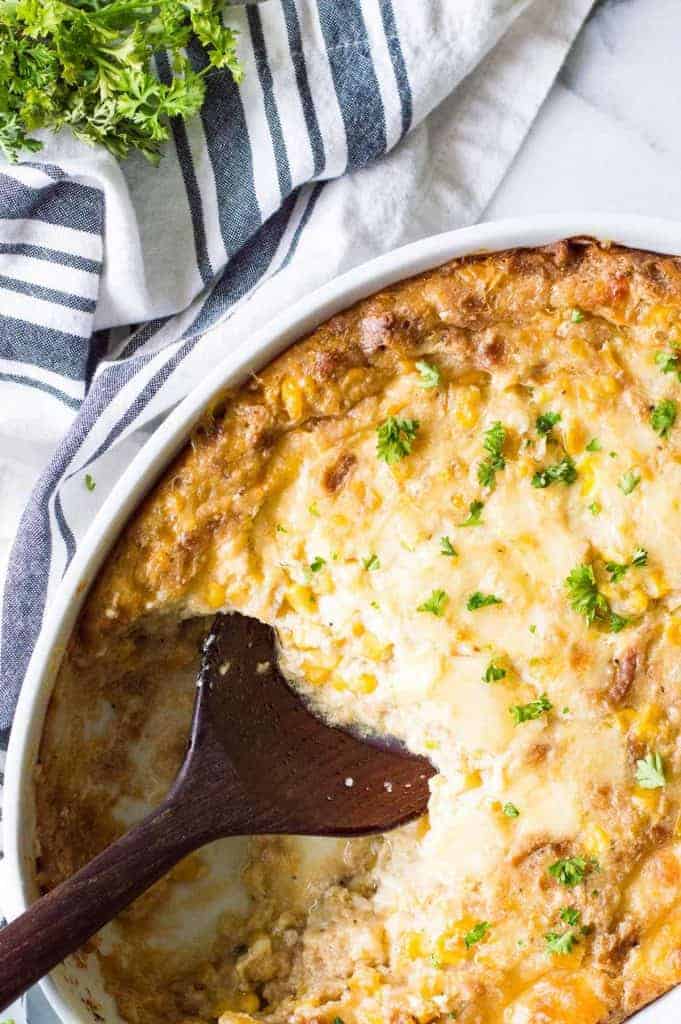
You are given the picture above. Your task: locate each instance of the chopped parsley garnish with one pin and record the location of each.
(510, 810)
(576, 315)
(618, 569)
(90, 482)
(317, 564)
(430, 375)
(594, 508)
(629, 481)
(395, 439)
(594, 445)
(476, 933)
(669, 362)
(493, 673)
(474, 514)
(478, 600)
(494, 446)
(569, 871)
(528, 712)
(372, 563)
(546, 422)
(447, 548)
(281, 528)
(571, 916)
(564, 471)
(639, 557)
(435, 604)
(313, 509)
(650, 772)
(338, 1020)
(561, 943)
(663, 417)
(586, 599)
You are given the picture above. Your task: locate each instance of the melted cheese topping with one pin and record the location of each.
(544, 883)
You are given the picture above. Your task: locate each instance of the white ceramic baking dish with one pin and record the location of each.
(75, 991)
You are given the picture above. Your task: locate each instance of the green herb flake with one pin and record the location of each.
(595, 509)
(435, 604)
(476, 933)
(372, 563)
(447, 548)
(569, 871)
(86, 65)
(430, 375)
(576, 315)
(493, 444)
(561, 943)
(90, 482)
(630, 480)
(594, 445)
(571, 916)
(533, 628)
(650, 772)
(564, 472)
(493, 673)
(546, 422)
(280, 528)
(510, 810)
(474, 514)
(669, 362)
(528, 712)
(583, 593)
(639, 558)
(395, 439)
(663, 417)
(479, 600)
(317, 564)
(313, 509)
(616, 570)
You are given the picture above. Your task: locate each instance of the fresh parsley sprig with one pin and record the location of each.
(493, 444)
(586, 599)
(395, 439)
(86, 65)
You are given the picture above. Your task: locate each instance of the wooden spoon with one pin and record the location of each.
(257, 763)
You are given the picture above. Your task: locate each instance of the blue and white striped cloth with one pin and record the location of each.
(281, 183)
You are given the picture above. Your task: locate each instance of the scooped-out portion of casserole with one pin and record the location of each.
(459, 504)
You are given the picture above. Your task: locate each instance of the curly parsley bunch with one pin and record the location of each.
(87, 65)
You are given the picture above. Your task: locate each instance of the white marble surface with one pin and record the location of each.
(607, 138)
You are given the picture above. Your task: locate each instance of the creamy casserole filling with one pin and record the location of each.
(458, 503)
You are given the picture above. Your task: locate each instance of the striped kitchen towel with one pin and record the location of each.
(283, 181)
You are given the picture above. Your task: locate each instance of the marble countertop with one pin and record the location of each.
(606, 139)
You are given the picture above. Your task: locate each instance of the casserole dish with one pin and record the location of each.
(76, 989)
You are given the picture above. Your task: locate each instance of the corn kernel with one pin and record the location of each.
(301, 599)
(249, 1002)
(647, 800)
(357, 628)
(657, 583)
(637, 601)
(364, 683)
(647, 721)
(575, 438)
(215, 595)
(587, 475)
(413, 945)
(673, 631)
(596, 841)
(373, 649)
(315, 674)
(423, 826)
(467, 410)
(292, 397)
(623, 719)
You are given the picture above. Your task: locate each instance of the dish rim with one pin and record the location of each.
(648, 233)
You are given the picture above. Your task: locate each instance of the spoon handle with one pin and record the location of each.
(60, 922)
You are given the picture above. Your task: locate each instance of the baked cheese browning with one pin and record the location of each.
(458, 504)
